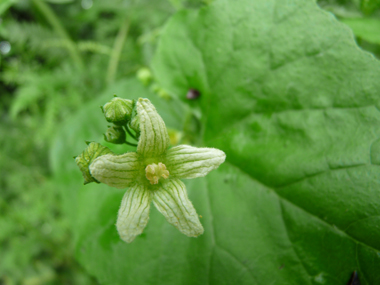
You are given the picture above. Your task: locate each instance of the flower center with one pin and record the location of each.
(154, 172)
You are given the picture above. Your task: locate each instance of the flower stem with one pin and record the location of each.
(130, 133)
(132, 144)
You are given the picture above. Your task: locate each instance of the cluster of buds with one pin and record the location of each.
(119, 112)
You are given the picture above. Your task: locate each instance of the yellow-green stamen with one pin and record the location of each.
(154, 172)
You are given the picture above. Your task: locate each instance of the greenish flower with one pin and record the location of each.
(153, 174)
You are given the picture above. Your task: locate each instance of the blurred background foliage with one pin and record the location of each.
(362, 16)
(54, 57)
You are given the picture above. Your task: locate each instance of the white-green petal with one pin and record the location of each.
(154, 138)
(118, 171)
(172, 201)
(184, 161)
(134, 212)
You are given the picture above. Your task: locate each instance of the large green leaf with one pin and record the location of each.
(293, 102)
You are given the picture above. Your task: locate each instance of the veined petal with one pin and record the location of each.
(134, 212)
(184, 161)
(118, 171)
(154, 138)
(172, 201)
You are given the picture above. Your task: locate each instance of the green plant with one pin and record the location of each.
(291, 99)
(280, 86)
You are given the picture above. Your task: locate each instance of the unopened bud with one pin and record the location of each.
(144, 75)
(93, 151)
(134, 124)
(118, 110)
(115, 135)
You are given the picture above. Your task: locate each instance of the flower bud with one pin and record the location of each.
(162, 93)
(174, 136)
(118, 110)
(115, 135)
(93, 151)
(144, 75)
(134, 124)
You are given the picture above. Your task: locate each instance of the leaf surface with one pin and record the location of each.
(293, 102)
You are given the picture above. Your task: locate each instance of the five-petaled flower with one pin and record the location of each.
(153, 174)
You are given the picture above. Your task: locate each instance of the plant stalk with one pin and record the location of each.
(130, 133)
(116, 51)
(60, 30)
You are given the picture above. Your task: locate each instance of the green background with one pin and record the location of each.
(290, 98)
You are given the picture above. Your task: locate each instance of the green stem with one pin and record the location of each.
(60, 30)
(132, 144)
(130, 133)
(116, 51)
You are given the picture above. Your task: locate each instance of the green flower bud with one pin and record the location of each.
(93, 151)
(134, 124)
(174, 136)
(118, 110)
(144, 75)
(115, 135)
(162, 93)
(155, 88)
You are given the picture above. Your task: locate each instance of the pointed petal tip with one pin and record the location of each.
(186, 162)
(143, 100)
(220, 154)
(154, 138)
(127, 239)
(196, 232)
(133, 214)
(172, 201)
